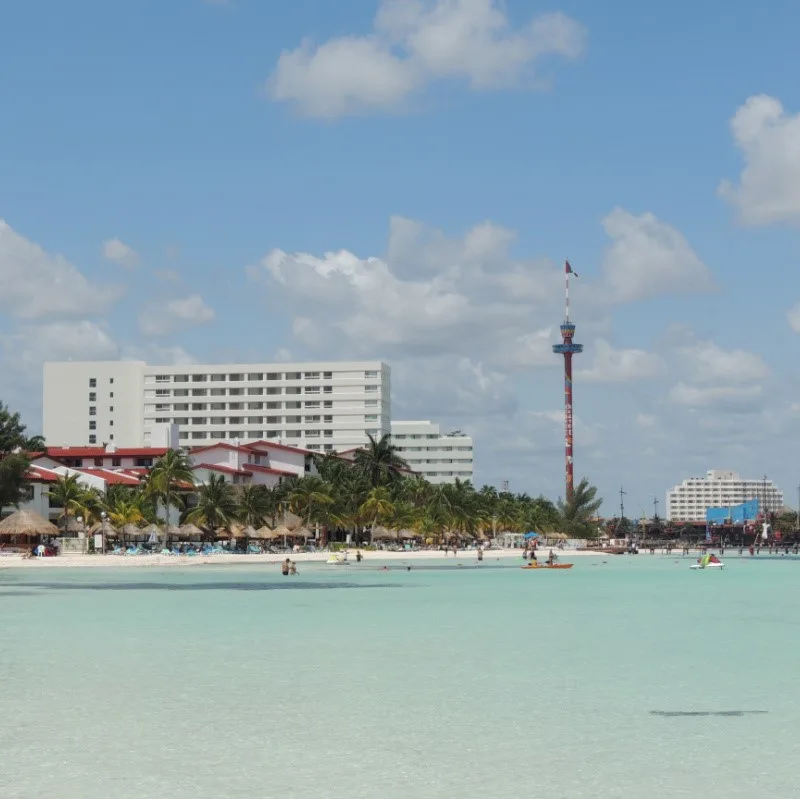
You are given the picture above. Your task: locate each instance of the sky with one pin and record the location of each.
(211, 181)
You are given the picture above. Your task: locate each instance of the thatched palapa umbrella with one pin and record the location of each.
(189, 531)
(264, 533)
(27, 523)
(380, 533)
(110, 531)
(130, 531)
(282, 531)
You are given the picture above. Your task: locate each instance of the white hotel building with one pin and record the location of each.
(688, 501)
(439, 458)
(322, 407)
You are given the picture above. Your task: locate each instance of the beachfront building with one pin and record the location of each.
(438, 457)
(320, 407)
(689, 501)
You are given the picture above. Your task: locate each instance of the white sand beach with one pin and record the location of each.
(184, 561)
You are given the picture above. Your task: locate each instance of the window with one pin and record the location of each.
(217, 420)
(327, 375)
(111, 395)
(328, 419)
(116, 461)
(310, 419)
(255, 406)
(92, 439)
(162, 379)
(255, 376)
(313, 447)
(92, 382)
(144, 462)
(273, 376)
(293, 406)
(373, 404)
(111, 380)
(198, 436)
(371, 418)
(198, 392)
(370, 388)
(255, 392)
(370, 374)
(235, 420)
(292, 434)
(293, 390)
(293, 419)
(198, 406)
(273, 433)
(217, 378)
(180, 379)
(180, 392)
(274, 406)
(312, 433)
(327, 389)
(93, 425)
(184, 435)
(235, 392)
(275, 390)
(199, 420)
(111, 423)
(312, 389)
(217, 392)
(255, 420)
(329, 434)
(311, 375)
(92, 396)
(327, 404)
(179, 406)
(328, 447)
(111, 409)
(256, 434)
(162, 420)
(236, 434)
(273, 419)
(163, 392)
(312, 405)
(199, 378)
(235, 406)
(92, 411)
(218, 434)
(236, 378)
(293, 375)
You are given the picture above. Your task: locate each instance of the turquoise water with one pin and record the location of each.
(216, 682)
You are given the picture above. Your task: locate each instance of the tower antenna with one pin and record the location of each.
(567, 348)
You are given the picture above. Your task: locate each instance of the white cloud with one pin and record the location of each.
(415, 42)
(169, 317)
(168, 275)
(707, 362)
(154, 354)
(120, 253)
(37, 284)
(617, 365)
(793, 318)
(769, 186)
(645, 420)
(648, 257)
(730, 397)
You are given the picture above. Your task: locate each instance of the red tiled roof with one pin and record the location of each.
(220, 467)
(111, 477)
(38, 474)
(255, 467)
(100, 452)
(285, 447)
(221, 445)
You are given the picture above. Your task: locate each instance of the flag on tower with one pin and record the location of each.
(570, 270)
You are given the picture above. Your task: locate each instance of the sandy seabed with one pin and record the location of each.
(183, 561)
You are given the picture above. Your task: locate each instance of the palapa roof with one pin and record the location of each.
(27, 523)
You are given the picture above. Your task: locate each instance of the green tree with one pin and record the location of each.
(14, 445)
(579, 511)
(217, 504)
(68, 494)
(255, 504)
(310, 498)
(379, 461)
(377, 507)
(167, 479)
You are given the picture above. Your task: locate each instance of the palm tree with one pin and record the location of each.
(379, 461)
(217, 504)
(69, 494)
(125, 511)
(309, 496)
(166, 477)
(577, 512)
(255, 503)
(378, 507)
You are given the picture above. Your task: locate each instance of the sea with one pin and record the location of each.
(624, 677)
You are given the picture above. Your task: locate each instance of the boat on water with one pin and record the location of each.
(547, 566)
(337, 559)
(708, 562)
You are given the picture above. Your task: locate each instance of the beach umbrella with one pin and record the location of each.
(282, 531)
(27, 523)
(249, 532)
(264, 533)
(110, 531)
(74, 526)
(528, 536)
(173, 530)
(153, 533)
(130, 531)
(380, 533)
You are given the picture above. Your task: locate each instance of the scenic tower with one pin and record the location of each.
(568, 348)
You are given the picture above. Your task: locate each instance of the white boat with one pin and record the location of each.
(708, 565)
(337, 559)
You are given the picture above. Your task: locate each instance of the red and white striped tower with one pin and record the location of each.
(567, 348)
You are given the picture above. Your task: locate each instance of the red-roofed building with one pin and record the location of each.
(100, 457)
(261, 463)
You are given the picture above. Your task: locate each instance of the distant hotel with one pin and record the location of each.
(439, 458)
(319, 407)
(689, 501)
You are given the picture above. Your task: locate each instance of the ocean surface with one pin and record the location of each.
(633, 677)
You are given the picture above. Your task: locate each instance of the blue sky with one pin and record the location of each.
(393, 189)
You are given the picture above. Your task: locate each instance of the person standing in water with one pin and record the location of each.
(359, 556)
(480, 554)
(285, 567)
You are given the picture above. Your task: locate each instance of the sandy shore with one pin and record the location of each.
(183, 561)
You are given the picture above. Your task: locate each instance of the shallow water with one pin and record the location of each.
(630, 678)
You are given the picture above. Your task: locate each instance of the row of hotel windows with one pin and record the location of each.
(434, 449)
(250, 392)
(254, 406)
(251, 376)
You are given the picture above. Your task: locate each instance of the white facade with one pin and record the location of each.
(323, 407)
(719, 489)
(437, 457)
